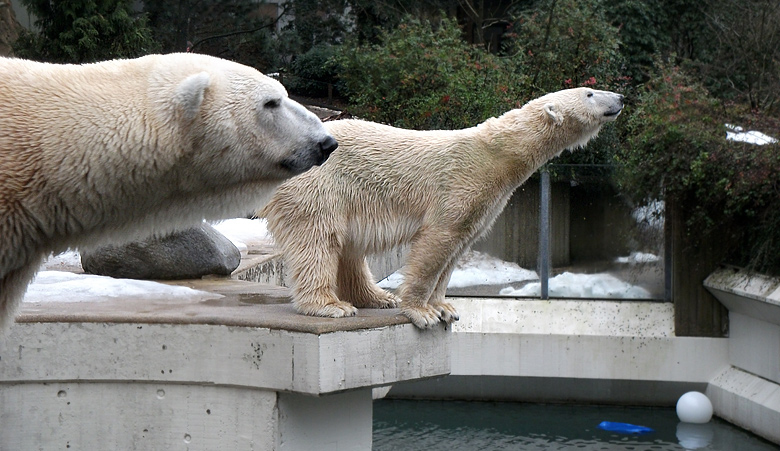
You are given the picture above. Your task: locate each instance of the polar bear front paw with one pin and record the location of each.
(424, 317)
(332, 309)
(447, 312)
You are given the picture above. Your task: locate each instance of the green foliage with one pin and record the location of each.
(84, 31)
(566, 43)
(641, 25)
(317, 23)
(313, 71)
(677, 150)
(423, 75)
(671, 134)
(237, 30)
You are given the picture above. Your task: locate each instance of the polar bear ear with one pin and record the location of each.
(189, 93)
(552, 112)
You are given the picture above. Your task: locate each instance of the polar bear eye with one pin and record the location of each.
(590, 94)
(272, 103)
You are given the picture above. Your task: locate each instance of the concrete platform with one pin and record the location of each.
(239, 371)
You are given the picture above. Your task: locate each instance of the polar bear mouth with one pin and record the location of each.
(612, 113)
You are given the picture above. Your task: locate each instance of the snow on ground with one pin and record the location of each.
(64, 286)
(66, 261)
(478, 268)
(570, 285)
(481, 269)
(242, 231)
(475, 269)
(736, 133)
(638, 257)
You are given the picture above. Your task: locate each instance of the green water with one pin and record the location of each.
(486, 426)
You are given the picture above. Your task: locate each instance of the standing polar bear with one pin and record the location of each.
(125, 148)
(437, 190)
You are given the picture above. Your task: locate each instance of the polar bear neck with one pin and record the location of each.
(528, 139)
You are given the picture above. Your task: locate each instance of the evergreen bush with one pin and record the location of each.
(422, 75)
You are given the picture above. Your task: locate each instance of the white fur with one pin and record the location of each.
(189, 93)
(121, 149)
(437, 190)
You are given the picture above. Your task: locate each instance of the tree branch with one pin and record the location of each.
(236, 33)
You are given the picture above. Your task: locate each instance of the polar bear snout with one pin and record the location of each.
(327, 146)
(616, 106)
(315, 155)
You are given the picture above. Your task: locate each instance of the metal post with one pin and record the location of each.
(544, 233)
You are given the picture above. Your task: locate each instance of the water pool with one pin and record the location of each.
(495, 426)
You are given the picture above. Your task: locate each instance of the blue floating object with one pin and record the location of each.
(624, 428)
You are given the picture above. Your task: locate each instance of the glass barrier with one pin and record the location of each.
(599, 246)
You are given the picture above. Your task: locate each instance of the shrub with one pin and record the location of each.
(729, 192)
(84, 31)
(312, 72)
(566, 43)
(423, 75)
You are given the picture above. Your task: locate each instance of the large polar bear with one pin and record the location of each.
(437, 190)
(121, 149)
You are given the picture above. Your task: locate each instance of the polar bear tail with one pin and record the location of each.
(13, 285)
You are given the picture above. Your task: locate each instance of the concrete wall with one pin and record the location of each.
(621, 352)
(747, 393)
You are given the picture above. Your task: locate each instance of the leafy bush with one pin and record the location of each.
(559, 44)
(423, 75)
(313, 71)
(84, 31)
(566, 43)
(728, 191)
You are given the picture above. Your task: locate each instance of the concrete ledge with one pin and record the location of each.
(748, 392)
(753, 295)
(235, 303)
(747, 401)
(240, 371)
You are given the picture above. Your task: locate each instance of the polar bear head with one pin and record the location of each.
(576, 115)
(234, 114)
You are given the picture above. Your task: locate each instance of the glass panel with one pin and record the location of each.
(505, 259)
(600, 246)
(615, 249)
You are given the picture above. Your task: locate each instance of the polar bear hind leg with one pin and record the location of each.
(356, 284)
(315, 284)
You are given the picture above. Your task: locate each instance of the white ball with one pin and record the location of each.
(694, 407)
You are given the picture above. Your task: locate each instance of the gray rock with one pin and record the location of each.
(188, 254)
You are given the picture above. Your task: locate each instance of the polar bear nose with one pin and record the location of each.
(327, 146)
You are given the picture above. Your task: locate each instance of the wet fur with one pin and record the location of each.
(438, 191)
